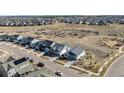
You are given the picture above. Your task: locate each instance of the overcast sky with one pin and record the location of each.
(61, 7)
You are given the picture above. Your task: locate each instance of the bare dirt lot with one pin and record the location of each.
(94, 39)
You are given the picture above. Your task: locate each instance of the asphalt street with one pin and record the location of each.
(116, 69)
(22, 52)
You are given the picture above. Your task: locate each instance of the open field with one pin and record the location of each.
(103, 30)
(100, 42)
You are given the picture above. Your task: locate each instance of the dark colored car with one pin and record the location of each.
(59, 73)
(40, 64)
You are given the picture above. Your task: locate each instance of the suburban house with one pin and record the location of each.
(75, 53)
(18, 40)
(45, 45)
(58, 49)
(26, 41)
(36, 46)
(20, 67)
(33, 43)
(4, 37)
(11, 38)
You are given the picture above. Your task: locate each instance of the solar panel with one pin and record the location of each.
(19, 61)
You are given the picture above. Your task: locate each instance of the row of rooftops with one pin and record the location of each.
(45, 20)
(47, 46)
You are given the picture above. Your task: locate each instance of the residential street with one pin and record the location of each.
(22, 52)
(116, 69)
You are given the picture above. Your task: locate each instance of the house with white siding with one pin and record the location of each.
(75, 53)
(58, 49)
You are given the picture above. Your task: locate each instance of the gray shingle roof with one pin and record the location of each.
(58, 47)
(47, 43)
(76, 51)
(19, 37)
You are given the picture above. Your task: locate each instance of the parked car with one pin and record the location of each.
(59, 73)
(40, 64)
(31, 60)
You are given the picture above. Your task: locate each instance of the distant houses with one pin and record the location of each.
(48, 20)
